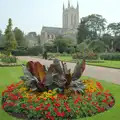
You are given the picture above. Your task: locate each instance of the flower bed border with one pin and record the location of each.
(24, 116)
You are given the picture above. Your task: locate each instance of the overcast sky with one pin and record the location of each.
(31, 15)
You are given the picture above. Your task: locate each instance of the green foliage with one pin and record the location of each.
(10, 38)
(91, 27)
(50, 47)
(88, 55)
(82, 47)
(97, 46)
(110, 56)
(19, 36)
(82, 32)
(114, 29)
(18, 52)
(8, 59)
(35, 51)
(62, 44)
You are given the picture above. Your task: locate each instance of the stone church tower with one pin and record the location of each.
(70, 22)
(70, 16)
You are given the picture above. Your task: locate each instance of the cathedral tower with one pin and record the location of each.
(70, 16)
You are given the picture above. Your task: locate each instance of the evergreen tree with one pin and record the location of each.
(10, 38)
(19, 36)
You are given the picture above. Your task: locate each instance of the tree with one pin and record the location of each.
(114, 29)
(108, 39)
(82, 31)
(10, 38)
(116, 44)
(19, 36)
(91, 27)
(62, 44)
(97, 46)
(0, 33)
(82, 47)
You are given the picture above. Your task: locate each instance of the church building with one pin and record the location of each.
(70, 22)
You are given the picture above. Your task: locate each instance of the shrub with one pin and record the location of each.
(110, 56)
(88, 56)
(9, 59)
(20, 52)
(35, 51)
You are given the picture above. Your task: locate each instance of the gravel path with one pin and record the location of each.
(100, 73)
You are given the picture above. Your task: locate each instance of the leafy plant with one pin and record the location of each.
(38, 77)
(8, 59)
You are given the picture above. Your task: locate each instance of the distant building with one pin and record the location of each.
(32, 39)
(70, 21)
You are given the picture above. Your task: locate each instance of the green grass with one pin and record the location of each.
(65, 58)
(10, 75)
(106, 63)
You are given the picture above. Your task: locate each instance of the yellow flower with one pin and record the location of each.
(49, 91)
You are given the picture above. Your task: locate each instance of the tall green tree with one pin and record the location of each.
(82, 33)
(114, 29)
(19, 36)
(10, 38)
(91, 27)
(108, 40)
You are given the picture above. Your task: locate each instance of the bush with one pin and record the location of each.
(34, 51)
(110, 56)
(53, 55)
(9, 59)
(1, 55)
(20, 52)
(88, 56)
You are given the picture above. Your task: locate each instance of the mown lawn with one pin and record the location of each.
(106, 63)
(9, 75)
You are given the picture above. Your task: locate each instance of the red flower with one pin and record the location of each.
(52, 118)
(55, 109)
(99, 86)
(68, 109)
(99, 110)
(62, 114)
(104, 100)
(31, 107)
(4, 105)
(37, 108)
(11, 104)
(102, 109)
(45, 108)
(41, 104)
(23, 105)
(89, 99)
(48, 105)
(99, 93)
(58, 114)
(76, 101)
(65, 104)
(57, 104)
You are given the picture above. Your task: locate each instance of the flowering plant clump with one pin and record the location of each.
(53, 105)
(55, 94)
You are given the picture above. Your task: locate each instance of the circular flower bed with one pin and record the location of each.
(22, 102)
